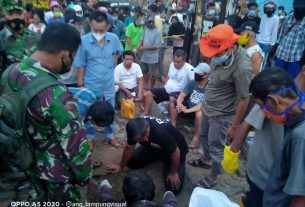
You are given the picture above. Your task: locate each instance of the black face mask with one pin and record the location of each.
(198, 77)
(18, 23)
(65, 68)
(2, 25)
(299, 13)
(269, 13)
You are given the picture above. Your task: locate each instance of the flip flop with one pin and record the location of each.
(198, 163)
(206, 183)
(97, 164)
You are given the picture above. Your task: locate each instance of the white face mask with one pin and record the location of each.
(98, 36)
(132, 14)
(220, 60)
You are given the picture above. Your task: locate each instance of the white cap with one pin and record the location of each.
(202, 68)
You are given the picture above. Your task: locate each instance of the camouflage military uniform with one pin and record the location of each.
(53, 120)
(14, 48)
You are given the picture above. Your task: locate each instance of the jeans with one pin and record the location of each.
(292, 68)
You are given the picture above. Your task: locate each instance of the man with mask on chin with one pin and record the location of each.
(282, 102)
(95, 62)
(226, 97)
(291, 42)
(16, 41)
(53, 118)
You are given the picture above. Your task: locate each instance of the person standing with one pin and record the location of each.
(268, 28)
(16, 41)
(149, 47)
(282, 102)
(291, 42)
(95, 61)
(226, 97)
(62, 156)
(37, 26)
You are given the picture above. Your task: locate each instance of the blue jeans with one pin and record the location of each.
(109, 130)
(292, 68)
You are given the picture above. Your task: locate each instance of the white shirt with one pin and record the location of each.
(268, 29)
(178, 79)
(254, 49)
(32, 27)
(127, 77)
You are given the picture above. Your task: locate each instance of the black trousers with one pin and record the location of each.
(144, 156)
(254, 197)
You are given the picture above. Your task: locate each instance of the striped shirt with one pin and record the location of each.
(291, 40)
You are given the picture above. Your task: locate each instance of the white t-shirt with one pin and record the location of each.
(128, 77)
(178, 79)
(268, 29)
(33, 28)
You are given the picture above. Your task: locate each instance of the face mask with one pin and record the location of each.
(132, 14)
(57, 14)
(281, 17)
(212, 12)
(198, 77)
(219, 60)
(115, 18)
(142, 22)
(268, 13)
(16, 24)
(244, 39)
(252, 13)
(98, 36)
(282, 117)
(299, 13)
(65, 68)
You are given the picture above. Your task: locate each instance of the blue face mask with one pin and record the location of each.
(252, 13)
(212, 12)
(282, 117)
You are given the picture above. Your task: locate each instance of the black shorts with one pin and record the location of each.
(161, 95)
(191, 115)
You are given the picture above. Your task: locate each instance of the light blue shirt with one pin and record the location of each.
(98, 61)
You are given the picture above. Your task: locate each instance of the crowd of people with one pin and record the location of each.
(65, 70)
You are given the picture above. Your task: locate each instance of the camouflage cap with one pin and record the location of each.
(9, 5)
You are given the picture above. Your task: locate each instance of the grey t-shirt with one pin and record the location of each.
(267, 144)
(151, 37)
(196, 94)
(227, 85)
(287, 178)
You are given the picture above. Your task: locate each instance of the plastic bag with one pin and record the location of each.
(209, 198)
(230, 160)
(128, 109)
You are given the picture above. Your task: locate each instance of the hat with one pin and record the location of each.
(298, 4)
(202, 68)
(218, 39)
(150, 18)
(11, 5)
(136, 9)
(248, 25)
(78, 9)
(53, 3)
(72, 18)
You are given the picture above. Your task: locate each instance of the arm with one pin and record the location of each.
(256, 60)
(240, 111)
(129, 43)
(240, 137)
(70, 133)
(173, 176)
(127, 154)
(125, 90)
(297, 201)
(193, 109)
(80, 76)
(274, 32)
(180, 99)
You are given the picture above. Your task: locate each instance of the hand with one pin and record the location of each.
(129, 95)
(230, 160)
(179, 107)
(184, 109)
(173, 178)
(114, 168)
(231, 132)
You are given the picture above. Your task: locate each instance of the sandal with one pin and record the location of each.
(193, 144)
(198, 163)
(97, 164)
(114, 143)
(206, 183)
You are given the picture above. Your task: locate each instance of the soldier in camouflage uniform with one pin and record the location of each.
(53, 120)
(16, 41)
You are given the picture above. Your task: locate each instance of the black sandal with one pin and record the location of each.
(206, 183)
(199, 163)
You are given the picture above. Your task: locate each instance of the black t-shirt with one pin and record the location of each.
(163, 136)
